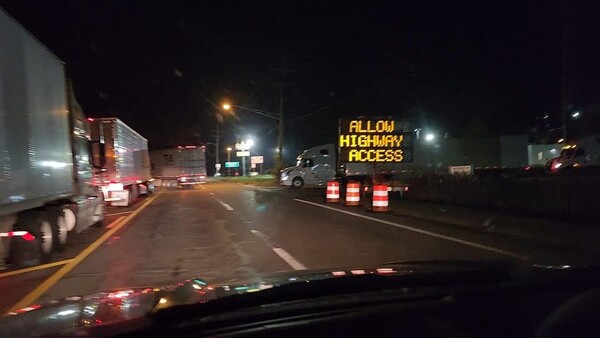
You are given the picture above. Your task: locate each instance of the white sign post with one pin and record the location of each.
(243, 151)
(460, 170)
(254, 160)
(257, 159)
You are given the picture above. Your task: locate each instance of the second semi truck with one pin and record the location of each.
(179, 167)
(125, 174)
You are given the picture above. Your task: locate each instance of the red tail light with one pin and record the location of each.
(28, 237)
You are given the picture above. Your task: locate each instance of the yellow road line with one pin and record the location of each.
(34, 268)
(50, 281)
(118, 213)
(113, 223)
(49, 265)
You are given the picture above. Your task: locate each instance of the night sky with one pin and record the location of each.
(158, 65)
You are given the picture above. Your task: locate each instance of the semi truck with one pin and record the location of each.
(318, 165)
(578, 156)
(45, 169)
(183, 166)
(125, 173)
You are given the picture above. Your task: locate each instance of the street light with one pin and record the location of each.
(429, 137)
(278, 157)
(576, 115)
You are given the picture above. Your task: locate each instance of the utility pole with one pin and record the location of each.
(282, 85)
(565, 71)
(217, 137)
(217, 161)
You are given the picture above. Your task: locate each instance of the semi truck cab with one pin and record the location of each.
(314, 167)
(583, 153)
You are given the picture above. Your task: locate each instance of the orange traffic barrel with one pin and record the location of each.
(333, 192)
(352, 193)
(380, 198)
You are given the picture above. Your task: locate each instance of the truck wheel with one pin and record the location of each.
(45, 240)
(61, 233)
(58, 227)
(129, 196)
(70, 218)
(98, 217)
(297, 182)
(38, 225)
(142, 189)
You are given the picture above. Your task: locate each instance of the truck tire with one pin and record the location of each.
(60, 233)
(98, 217)
(70, 218)
(129, 196)
(129, 203)
(55, 217)
(142, 189)
(37, 224)
(297, 182)
(45, 240)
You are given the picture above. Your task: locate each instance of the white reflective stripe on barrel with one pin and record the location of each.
(333, 196)
(353, 190)
(352, 199)
(380, 203)
(379, 193)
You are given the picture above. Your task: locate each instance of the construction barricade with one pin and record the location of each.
(333, 192)
(380, 198)
(352, 194)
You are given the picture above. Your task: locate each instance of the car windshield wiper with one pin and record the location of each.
(458, 263)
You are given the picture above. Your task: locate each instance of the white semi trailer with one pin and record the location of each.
(45, 169)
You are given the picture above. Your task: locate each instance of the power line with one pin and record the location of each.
(320, 109)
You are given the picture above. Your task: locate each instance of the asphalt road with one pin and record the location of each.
(225, 231)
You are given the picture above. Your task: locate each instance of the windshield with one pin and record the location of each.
(143, 144)
(567, 153)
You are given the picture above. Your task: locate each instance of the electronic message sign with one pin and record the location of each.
(375, 140)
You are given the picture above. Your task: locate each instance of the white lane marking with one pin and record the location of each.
(119, 213)
(289, 259)
(227, 206)
(423, 232)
